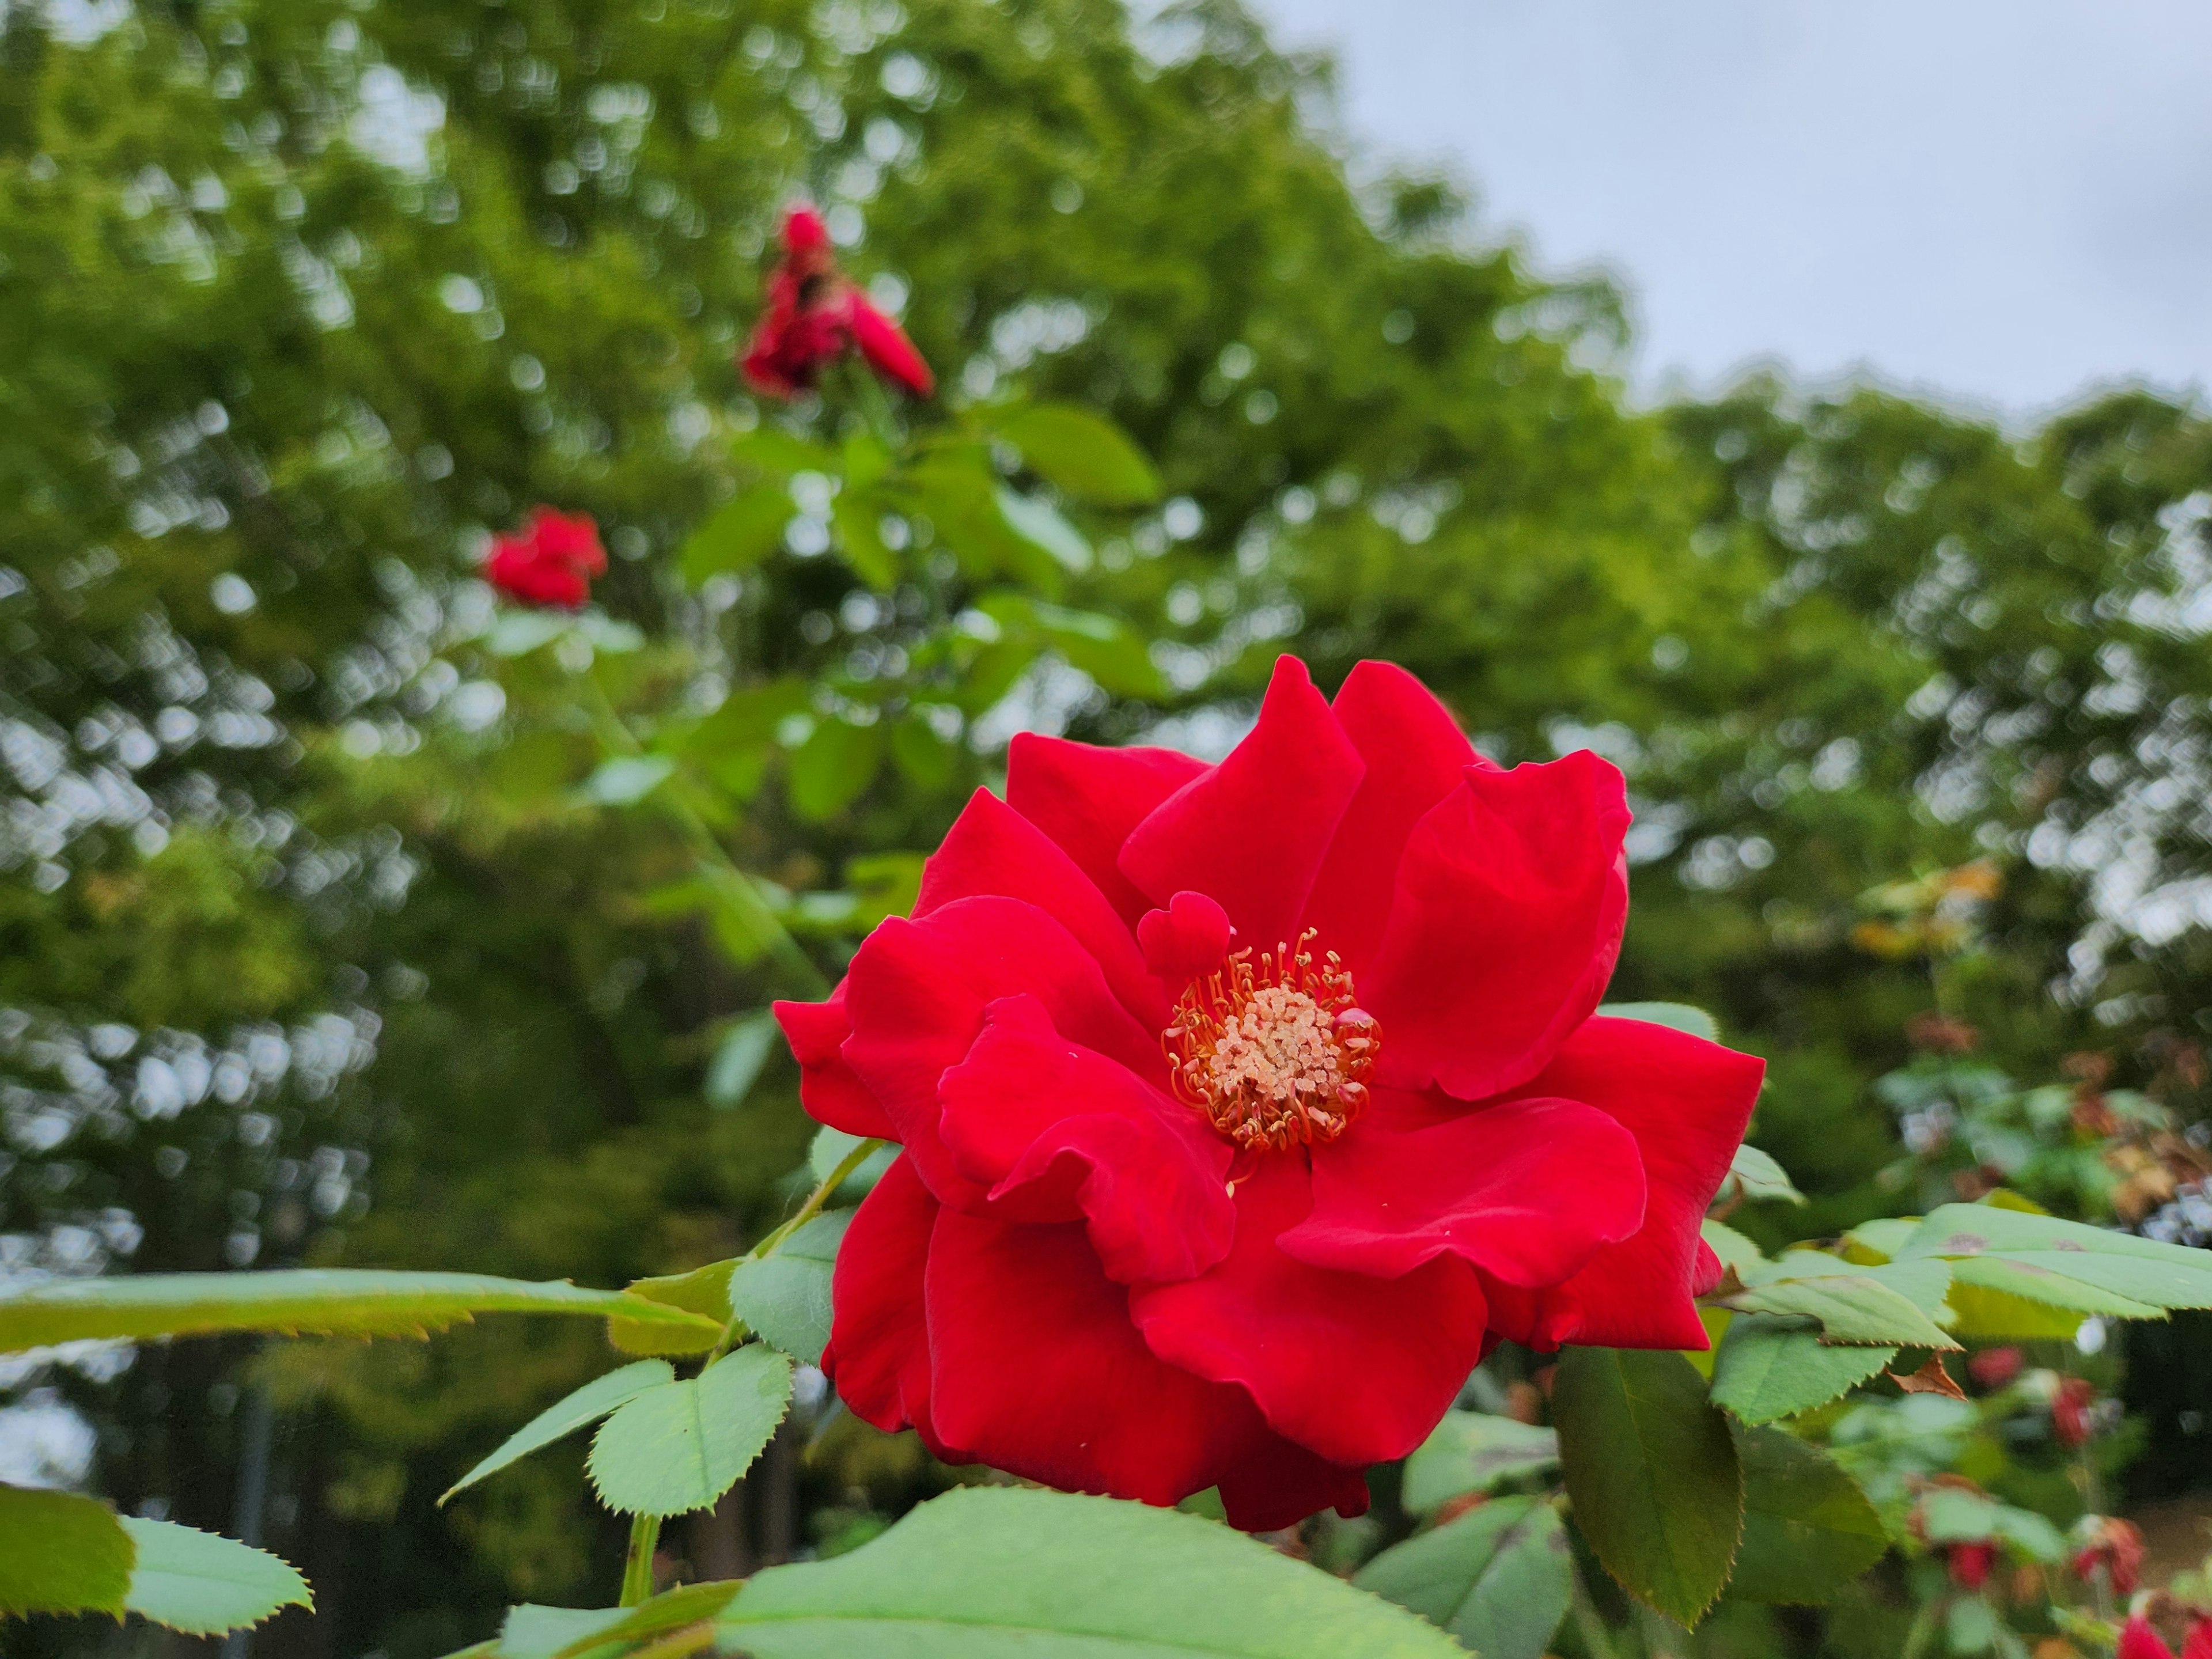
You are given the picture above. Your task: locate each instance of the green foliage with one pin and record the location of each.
(565, 1416)
(349, 1302)
(1770, 1368)
(1652, 1470)
(1038, 1572)
(204, 1585)
(1499, 1577)
(785, 1297)
(1808, 1531)
(679, 1445)
(1473, 1451)
(62, 1553)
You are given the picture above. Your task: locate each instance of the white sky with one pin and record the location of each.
(2002, 201)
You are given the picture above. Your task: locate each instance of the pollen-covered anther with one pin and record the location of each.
(1275, 1052)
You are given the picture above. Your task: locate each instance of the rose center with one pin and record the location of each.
(1274, 1052)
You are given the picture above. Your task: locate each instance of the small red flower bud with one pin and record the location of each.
(549, 563)
(815, 315)
(1970, 1563)
(1992, 1368)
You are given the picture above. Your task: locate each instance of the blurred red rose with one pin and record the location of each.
(1970, 1563)
(2116, 1547)
(1992, 1368)
(815, 314)
(551, 562)
(2071, 1412)
(1244, 1106)
(2139, 1641)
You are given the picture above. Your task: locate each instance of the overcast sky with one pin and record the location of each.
(2002, 201)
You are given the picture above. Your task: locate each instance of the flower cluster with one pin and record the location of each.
(815, 314)
(551, 562)
(2139, 1639)
(1244, 1107)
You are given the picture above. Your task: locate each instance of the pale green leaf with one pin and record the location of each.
(738, 535)
(1499, 1577)
(329, 1302)
(537, 1632)
(837, 762)
(1473, 1451)
(1734, 1249)
(627, 780)
(1008, 1573)
(1082, 453)
(1039, 522)
(566, 1415)
(1808, 1531)
(1680, 1015)
(204, 1584)
(703, 1290)
(1651, 1468)
(1889, 1306)
(2044, 1250)
(517, 633)
(1770, 1368)
(680, 1446)
(744, 1050)
(786, 1296)
(1761, 1177)
(61, 1554)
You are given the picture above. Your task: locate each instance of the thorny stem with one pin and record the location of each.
(797, 965)
(774, 1242)
(637, 1568)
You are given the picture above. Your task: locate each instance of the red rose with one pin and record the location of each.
(1995, 1367)
(2139, 1641)
(1970, 1563)
(814, 315)
(2072, 1417)
(2116, 1547)
(1244, 1106)
(551, 562)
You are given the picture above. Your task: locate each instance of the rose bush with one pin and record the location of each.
(1245, 1106)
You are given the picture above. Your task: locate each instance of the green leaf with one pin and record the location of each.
(1111, 652)
(704, 1290)
(732, 745)
(1038, 521)
(1770, 1368)
(1880, 1306)
(204, 1584)
(1971, 1625)
(775, 453)
(1081, 452)
(786, 1296)
(1878, 1240)
(1001, 1572)
(858, 519)
(1808, 1531)
(1980, 1314)
(833, 766)
(830, 1147)
(1651, 1468)
(680, 1446)
(1680, 1015)
(327, 1302)
(1734, 1249)
(566, 1415)
(1760, 1176)
(535, 1632)
(2046, 1252)
(744, 1050)
(627, 780)
(925, 759)
(1473, 1451)
(1499, 1577)
(739, 534)
(519, 633)
(61, 1554)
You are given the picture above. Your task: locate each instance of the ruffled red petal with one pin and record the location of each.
(884, 347)
(1415, 755)
(917, 990)
(1089, 798)
(879, 1352)
(1510, 901)
(827, 1087)
(1357, 1369)
(991, 848)
(1251, 833)
(1276, 1484)
(1685, 1101)
(1187, 939)
(1059, 1132)
(1527, 1190)
(1036, 1368)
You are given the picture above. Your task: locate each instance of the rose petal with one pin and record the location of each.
(1415, 755)
(1059, 1132)
(1509, 904)
(1252, 832)
(1356, 1369)
(1278, 1484)
(1685, 1101)
(827, 1087)
(993, 849)
(1088, 800)
(917, 991)
(884, 346)
(1526, 1190)
(1187, 939)
(1036, 1368)
(879, 1352)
